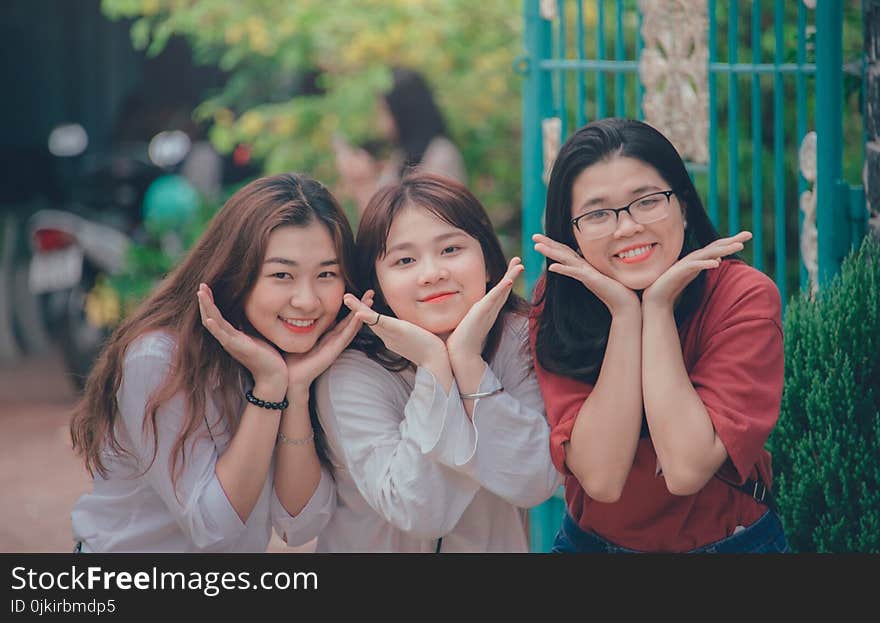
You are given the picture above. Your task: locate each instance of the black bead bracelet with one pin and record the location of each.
(265, 404)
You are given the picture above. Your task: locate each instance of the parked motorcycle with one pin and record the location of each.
(76, 250)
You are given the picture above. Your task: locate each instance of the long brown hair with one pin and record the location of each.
(450, 201)
(227, 257)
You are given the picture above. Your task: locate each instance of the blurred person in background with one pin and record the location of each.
(407, 117)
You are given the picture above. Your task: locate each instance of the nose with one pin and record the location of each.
(305, 298)
(432, 271)
(626, 226)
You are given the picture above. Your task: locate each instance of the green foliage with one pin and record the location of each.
(826, 446)
(152, 258)
(466, 49)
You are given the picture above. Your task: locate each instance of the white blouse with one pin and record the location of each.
(411, 467)
(130, 512)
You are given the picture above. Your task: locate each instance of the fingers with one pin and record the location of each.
(514, 269)
(562, 269)
(553, 250)
(209, 309)
(360, 309)
(722, 247)
(353, 323)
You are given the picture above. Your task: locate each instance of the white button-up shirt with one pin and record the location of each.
(411, 467)
(133, 512)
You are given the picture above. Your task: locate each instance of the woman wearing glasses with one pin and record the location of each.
(659, 356)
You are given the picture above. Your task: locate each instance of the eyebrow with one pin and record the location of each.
(635, 193)
(288, 262)
(406, 245)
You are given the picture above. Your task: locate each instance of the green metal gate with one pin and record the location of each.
(761, 88)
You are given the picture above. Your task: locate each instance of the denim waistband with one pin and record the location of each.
(764, 536)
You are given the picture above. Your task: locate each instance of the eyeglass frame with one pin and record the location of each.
(617, 211)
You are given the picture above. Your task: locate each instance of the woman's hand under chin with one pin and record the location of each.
(261, 358)
(616, 296)
(404, 338)
(469, 337)
(303, 368)
(668, 286)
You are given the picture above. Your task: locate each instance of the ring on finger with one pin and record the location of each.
(375, 322)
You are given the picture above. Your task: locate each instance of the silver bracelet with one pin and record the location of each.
(491, 392)
(295, 442)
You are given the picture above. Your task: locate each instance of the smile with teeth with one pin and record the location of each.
(631, 253)
(299, 326)
(635, 252)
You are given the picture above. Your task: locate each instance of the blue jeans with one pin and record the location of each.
(765, 536)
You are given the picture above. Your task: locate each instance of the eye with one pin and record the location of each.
(596, 216)
(404, 261)
(327, 274)
(648, 202)
(451, 249)
(281, 275)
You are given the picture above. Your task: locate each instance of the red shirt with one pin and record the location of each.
(732, 348)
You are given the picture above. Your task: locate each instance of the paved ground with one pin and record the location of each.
(40, 477)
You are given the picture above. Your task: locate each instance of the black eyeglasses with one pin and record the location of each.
(646, 209)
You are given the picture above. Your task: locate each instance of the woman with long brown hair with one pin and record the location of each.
(435, 419)
(184, 410)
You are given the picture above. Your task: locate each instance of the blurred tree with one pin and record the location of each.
(302, 71)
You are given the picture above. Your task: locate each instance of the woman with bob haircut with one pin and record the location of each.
(181, 414)
(434, 421)
(659, 355)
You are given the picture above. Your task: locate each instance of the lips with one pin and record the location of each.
(636, 253)
(438, 297)
(296, 325)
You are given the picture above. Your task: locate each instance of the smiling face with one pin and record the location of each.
(634, 254)
(299, 288)
(432, 272)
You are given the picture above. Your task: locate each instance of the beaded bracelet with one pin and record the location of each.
(265, 404)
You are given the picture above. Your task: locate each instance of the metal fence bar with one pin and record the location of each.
(801, 122)
(713, 118)
(763, 68)
(600, 55)
(561, 51)
(612, 66)
(619, 92)
(831, 215)
(779, 151)
(757, 145)
(733, 121)
(640, 89)
(608, 66)
(537, 102)
(581, 86)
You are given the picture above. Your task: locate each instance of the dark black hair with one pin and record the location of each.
(416, 115)
(573, 325)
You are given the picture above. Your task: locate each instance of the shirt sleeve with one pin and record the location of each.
(739, 376)
(506, 446)
(382, 450)
(563, 399)
(198, 504)
(308, 523)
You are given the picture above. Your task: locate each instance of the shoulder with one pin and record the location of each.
(155, 345)
(444, 158)
(737, 291)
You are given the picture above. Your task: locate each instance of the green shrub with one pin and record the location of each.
(826, 447)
